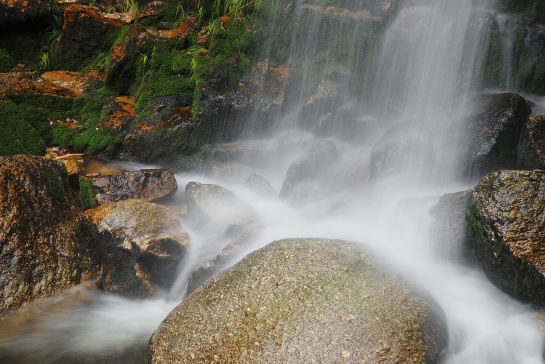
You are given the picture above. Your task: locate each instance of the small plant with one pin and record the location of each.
(44, 60)
(180, 11)
(237, 8)
(130, 5)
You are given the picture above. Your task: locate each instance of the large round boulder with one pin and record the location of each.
(46, 244)
(143, 245)
(506, 231)
(302, 301)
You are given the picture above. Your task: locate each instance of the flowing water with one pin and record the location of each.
(416, 94)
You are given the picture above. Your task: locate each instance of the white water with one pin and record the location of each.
(425, 71)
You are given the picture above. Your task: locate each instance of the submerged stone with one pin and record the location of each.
(303, 301)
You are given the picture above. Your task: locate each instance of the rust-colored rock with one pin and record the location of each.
(143, 244)
(506, 231)
(46, 244)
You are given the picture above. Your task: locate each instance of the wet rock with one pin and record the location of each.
(494, 132)
(225, 116)
(531, 148)
(506, 231)
(303, 300)
(449, 226)
(404, 151)
(46, 244)
(228, 254)
(143, 245)
(219, 204)
(146, 184)
(309, 167)
(326, 97)
(260, 185)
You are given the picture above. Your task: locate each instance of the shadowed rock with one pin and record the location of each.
(46, 245)
(506, 231)
(143, 244)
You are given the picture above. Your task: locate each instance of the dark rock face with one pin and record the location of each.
(146, 184)
(531, 149)
(494, 132)
(17, 12)
(310, 165)
(86, 33)
(143, 245)
(304, 301)
(46, 245)
(506, 232)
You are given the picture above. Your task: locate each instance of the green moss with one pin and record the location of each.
(489, 66)
(475, 226)
(18, 136)
(87, 195)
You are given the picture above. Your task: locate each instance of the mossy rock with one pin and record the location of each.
(18, 136)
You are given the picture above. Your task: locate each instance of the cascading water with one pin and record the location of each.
(392, 94)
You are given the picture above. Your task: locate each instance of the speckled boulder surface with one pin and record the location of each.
(302, 301)
(146, 184)
(143, 245)
(46, 244)
(506, 231)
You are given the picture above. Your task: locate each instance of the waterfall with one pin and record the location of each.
(391, 87)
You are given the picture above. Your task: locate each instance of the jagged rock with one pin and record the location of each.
(308, 167)
(143, 244)
(303, 300)
(494, 132)
(145, 184)
(219, 204)
(404, 151)
(506, 231)
(46, 245)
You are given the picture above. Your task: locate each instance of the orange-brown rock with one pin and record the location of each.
(143, 243)
(54, 83)
(46, 244)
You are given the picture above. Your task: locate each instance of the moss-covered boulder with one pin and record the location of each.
(46, 244)
(506, 231)
(493, 132)
(303, 300)
(143, 245)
